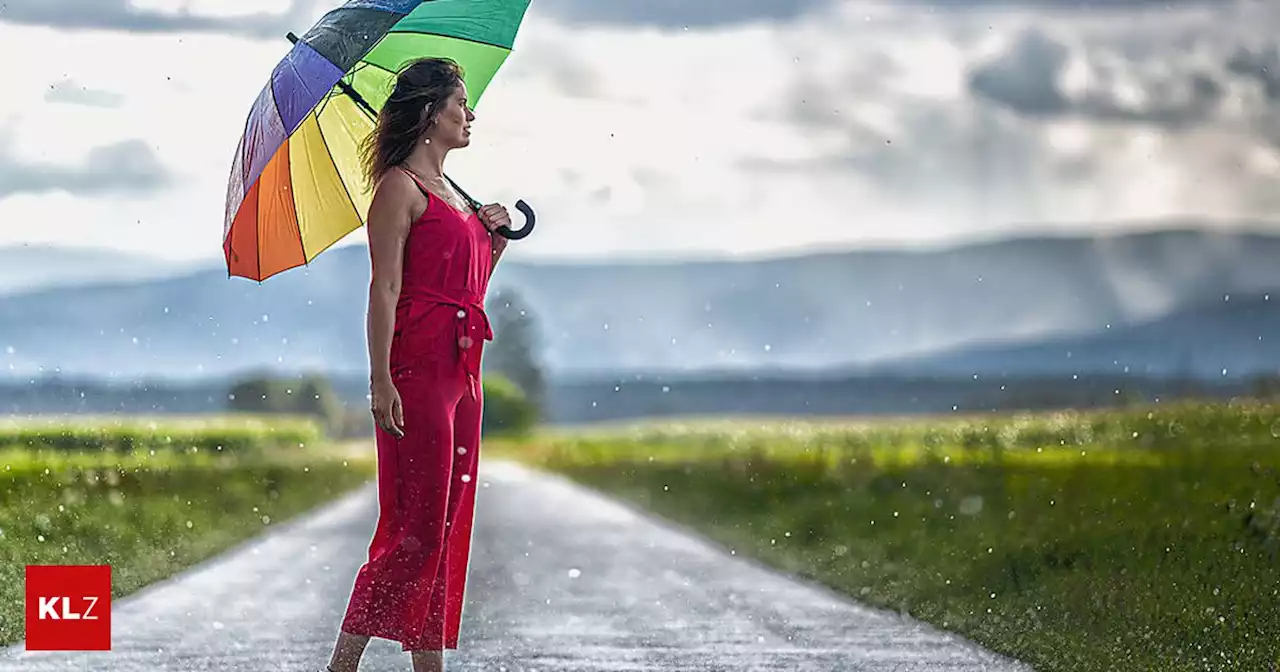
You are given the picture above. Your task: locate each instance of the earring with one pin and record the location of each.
(426, 141)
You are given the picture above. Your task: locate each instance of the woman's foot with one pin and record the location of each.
(427, 661)
(347, 652)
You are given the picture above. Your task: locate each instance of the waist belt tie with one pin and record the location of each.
(470, 322)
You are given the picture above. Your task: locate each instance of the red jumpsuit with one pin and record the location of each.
(411, 588)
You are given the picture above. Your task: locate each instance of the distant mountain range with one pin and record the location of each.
(1223, 339)
(1174, 301)
(26, 268)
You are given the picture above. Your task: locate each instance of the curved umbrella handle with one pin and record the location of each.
(523, 231)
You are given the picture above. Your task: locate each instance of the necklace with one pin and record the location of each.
(452, 198)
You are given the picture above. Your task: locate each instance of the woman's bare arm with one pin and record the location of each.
(390, 215)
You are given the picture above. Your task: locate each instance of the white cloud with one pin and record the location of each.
(853, 125)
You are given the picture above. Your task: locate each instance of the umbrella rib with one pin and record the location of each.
(257, 231)
(359, 99)
(370, 64)
(346, 88)
(355, 95)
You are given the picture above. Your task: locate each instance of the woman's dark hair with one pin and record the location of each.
(424, 84)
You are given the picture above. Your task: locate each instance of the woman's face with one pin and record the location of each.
(453, 123)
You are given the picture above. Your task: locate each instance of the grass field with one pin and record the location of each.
(1145, 539)
(152, 498)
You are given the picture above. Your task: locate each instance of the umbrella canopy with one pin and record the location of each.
(297, 185)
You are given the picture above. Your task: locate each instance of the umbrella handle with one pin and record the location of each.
(523, 231)
(503, 231)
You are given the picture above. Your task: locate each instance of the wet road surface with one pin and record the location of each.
(562, 579)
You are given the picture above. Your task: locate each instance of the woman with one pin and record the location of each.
(432, 256)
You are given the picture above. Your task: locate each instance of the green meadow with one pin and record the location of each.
(1141, 539)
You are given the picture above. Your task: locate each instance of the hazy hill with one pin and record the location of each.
(805, 312)
(32, 267)
(1228, 338)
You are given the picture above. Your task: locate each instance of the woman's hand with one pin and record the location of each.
(495, 217)
(388, 411)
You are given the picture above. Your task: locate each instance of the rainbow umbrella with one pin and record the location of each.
(296, 185)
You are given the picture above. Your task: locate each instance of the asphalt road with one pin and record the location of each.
(562, 579)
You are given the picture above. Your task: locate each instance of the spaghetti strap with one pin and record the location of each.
(423, 187)
(471, 202)
(475, 207)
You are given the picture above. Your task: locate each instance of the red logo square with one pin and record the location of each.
(68, 608)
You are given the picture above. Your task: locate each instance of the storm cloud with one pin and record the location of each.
(1039, 76)
(676, 13)
(1008, 116)
(121, 15)
(123, 167)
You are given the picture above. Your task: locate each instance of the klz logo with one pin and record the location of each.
(68, 608)
(49, 609)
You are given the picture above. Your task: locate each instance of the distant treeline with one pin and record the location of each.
(342, 410)
(637, 396)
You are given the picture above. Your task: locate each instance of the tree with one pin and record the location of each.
(516, 344)
(307, 395)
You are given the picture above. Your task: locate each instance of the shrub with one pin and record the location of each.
(506, 408)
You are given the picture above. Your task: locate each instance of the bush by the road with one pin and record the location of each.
(1137, 539)
(507, 410)
(150, 515)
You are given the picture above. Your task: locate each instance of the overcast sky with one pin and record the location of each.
(661, 127)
